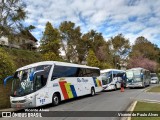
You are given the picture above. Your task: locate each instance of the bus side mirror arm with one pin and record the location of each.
(6, 79)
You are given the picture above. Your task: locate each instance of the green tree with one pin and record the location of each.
(94, 40)
(6, 64)
(92, 59)
(100, 47)
(12, 15)
(120, 48)
(145, 48)
(50, 56)
(50, 42)
(71, 41)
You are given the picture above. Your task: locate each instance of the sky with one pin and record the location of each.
(132, 18)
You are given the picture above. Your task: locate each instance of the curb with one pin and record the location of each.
(150, 101)
(131, 108)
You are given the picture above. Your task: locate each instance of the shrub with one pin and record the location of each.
(7, 66)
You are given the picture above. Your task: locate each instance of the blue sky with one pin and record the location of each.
(132, 18)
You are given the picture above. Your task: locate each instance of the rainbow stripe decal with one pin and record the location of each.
(97, 82)
(67, 89)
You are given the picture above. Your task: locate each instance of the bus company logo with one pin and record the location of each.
(6, 114)
(42, 101)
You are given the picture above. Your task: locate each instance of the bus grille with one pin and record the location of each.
(19, 101)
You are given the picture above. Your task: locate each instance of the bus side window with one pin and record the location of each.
(40, 80)
(105, 80)
(64, 71)
(114, 75)
(86, 72)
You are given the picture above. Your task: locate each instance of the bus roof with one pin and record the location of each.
(54, 63)
(138, 68)
(107, 70)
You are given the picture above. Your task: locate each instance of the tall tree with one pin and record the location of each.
(92, 59)
(145, 48)
(94, 40)
(71, 41)
(120, 48)
(50, 42)
(12, 14)
(100, 47)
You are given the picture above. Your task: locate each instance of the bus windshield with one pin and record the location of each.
(108, 76)
(137, 75)
(22, 85)
(129, 74)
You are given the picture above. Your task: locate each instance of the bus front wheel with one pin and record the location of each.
(55, 100)
(115, 87)
(92, 91)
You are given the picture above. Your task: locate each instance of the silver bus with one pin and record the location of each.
(138, 77)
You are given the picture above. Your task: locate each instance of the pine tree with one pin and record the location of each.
(50, 42)
(92, 59)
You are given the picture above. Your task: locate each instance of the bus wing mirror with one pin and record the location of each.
(31, 76)
(141, 75)
(6, 79)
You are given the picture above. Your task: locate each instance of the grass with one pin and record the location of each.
(4, 96)
(144, 106)
(154, 89)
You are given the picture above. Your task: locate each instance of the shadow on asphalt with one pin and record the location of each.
(78, 98)
(139, 87)
(61, 103)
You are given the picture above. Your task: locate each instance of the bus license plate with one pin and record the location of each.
(18, 105)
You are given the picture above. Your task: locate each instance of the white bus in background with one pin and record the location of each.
(112, 78)
(51, 82)
(138, 77)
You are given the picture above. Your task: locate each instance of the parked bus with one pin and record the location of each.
(51, 82)
(112, 78)
(138, 77)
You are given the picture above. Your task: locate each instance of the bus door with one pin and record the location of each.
(116, 79)
(42, 94)
(123, 79)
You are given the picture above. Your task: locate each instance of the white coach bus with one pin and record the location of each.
(112, 78)
(138, 77)
(51, 82)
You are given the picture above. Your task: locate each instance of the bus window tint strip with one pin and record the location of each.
(65, 71)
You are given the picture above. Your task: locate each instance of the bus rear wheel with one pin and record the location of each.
(92, 91)
(55, 100)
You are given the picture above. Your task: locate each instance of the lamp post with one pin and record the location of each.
(117, 66)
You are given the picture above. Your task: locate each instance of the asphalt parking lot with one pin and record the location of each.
(104, 101)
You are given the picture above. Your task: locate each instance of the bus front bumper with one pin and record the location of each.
(132, 85)
(22, 102)
(108, 87)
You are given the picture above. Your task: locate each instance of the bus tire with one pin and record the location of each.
(115, 87)
(92, 91)
(55, 99)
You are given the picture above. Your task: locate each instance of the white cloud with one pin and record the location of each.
(92, 14)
